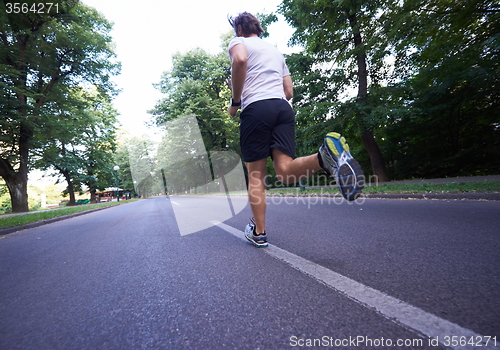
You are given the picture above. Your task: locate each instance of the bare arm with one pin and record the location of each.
(288, 86)
(239, 58)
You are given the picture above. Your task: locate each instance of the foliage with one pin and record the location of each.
(196, 85)
(183, 156)
(121, 158)
(454, 93)
(407, 188)
(345, 34)
(43, 57)
(53, 195)
(79, 140)
(324, 29)
(315, 99)
(265, 19)
(434, 112)
(137, 159)
(98, 142)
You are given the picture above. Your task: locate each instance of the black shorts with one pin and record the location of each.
(264, 125)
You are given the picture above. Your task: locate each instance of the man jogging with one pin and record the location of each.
(261, 86)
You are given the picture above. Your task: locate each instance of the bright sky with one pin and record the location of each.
(148, 32)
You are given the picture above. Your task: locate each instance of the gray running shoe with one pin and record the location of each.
(259, 241)
(338, 162)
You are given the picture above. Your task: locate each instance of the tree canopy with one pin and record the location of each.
(431, 91)
(43, 57)
(451, 50)
(425, 76)
(197, 84)
(79, 141)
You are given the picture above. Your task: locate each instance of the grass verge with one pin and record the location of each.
(455, 187)
(28, 218)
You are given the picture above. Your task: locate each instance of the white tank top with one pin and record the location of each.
(266, 68)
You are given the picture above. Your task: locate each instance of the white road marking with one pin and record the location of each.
(398, 311)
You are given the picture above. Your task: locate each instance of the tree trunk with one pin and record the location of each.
(373, 150)
(71, 189)
(17, 181)
(18, 190)
(376, 159)
(91, 185)
(93, 196)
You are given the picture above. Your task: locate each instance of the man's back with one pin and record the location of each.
(266, 68)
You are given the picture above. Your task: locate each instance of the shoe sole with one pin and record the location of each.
(256, 244)
(349, 176)
(332, 139)
(350, 180)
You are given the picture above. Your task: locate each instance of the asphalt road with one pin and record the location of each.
(384, 272)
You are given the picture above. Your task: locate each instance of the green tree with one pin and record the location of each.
(137, 158)
(42, 56)
(79, 141)
(347, 33)
(198, 85)
(450, 51)
(57, 148)
(315, 98)
(98, 142)
(121, 158)
(183, 157)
